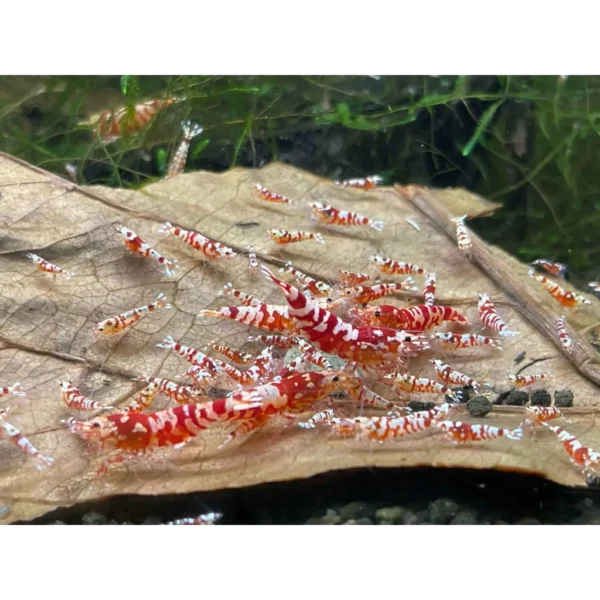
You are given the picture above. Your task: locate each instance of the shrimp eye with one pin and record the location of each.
(336, 378)
(407, 338)
(96, 424)
(377, 313)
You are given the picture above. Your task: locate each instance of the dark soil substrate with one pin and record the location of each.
(382, 496)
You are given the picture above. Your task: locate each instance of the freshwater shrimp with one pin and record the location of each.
(264, 316)
(324, 416)
(252, 262)
(332, 335)
(15, 390)
(462, 233)
(182, 394)
(48, 267)
(269, 196)
(121, 322)
(310, 354)
(448, 375)
(281, 236)
(520, 381)
(408, 383)
(563, 334)
(136, 244)
(412, 318)
(190, 354)
(278, 341)
(238, 357)
(429, 290)
(328, 215)
(246, 299)
(566, 298)
(75, 400)
(113, 125)
(491, 319)
(211, 249)
(463, 432)
(541, 414)
(177, 164)
(367, 183)
(349, 279)
(394, 267)
(16, 438)
(582, 457)
(456, 341)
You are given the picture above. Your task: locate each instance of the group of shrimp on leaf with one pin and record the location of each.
(325, 325)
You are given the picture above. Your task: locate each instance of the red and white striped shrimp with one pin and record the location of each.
(563, 334)
(363, 294)
(236, 356)
(332, 335)
(456, 341)
(264, 316)
(114, 124)
(368, 183)
(16, 438)
(182, 394)
(246, 299)
(566, 298)
(75, 400)
(211, 249)
(412, 318)
(177, 164)
(429, 290)
(462, 233)
(490, 317)
(124, 321)
(136, 244)
(310, 354)
(520, 381)
(252, 261)
(269, 196)
(584, 458)
(207, 519)
(137, 433)
(315, 287)
(349, 279)
(448, 375)
(463, 432)
(324, 416)
(541, 414)
(328, 215)
(142, 400)
(190, 354)
(380, 428)
(48, 267)
(394, 267)
(422, 385)
(282, 236)
(555, 269)
(14, 390)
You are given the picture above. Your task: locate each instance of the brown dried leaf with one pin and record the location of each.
(46, 327)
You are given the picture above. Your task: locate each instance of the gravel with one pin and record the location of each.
(517, 398)
(442, 511)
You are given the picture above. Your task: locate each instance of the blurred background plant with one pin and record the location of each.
(527, 142)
